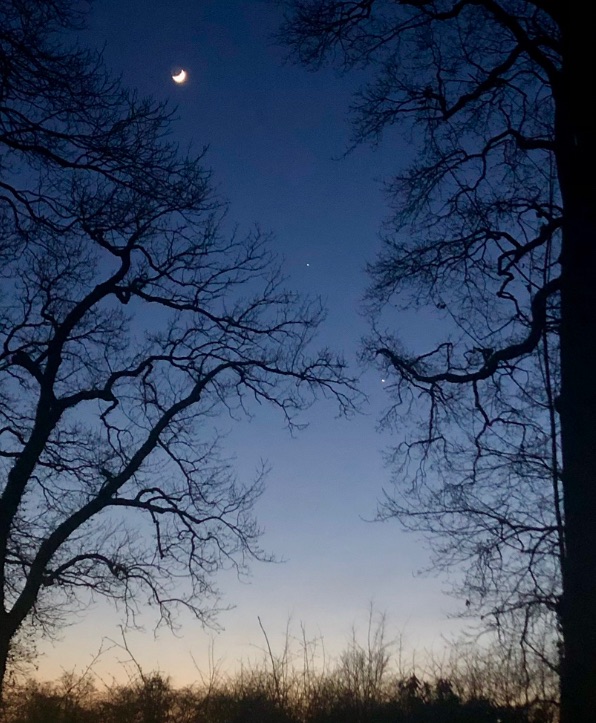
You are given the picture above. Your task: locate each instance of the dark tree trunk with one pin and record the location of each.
(576, 145)
(578, 427)
(5, 639)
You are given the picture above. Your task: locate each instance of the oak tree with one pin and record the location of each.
(494, 223)
(131, 316)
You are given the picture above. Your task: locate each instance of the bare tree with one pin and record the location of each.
(497, 95)
(488, 496)
(130, 318)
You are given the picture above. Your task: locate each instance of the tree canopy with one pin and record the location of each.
(131, 315)
(492, 228)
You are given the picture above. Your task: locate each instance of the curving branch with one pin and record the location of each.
(493, 359)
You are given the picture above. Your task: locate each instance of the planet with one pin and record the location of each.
(180, 77)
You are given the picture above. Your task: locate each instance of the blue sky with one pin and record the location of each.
(276, 134)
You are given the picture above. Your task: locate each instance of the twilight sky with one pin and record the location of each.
(275, 133)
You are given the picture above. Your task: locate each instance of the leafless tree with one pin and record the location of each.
(487, 494)
(494, 224)
(130, 318)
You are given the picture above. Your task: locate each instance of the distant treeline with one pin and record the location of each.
(366, 684)
(254, 699)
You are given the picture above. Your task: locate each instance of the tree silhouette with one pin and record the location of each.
(130, 318)
(494, 224)
(488, 496)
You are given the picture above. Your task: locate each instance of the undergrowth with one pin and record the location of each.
(368, 683)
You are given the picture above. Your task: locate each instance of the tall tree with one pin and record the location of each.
(499, 94)
(129, 319)
(486, 493)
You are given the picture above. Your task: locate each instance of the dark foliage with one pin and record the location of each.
(411, 702)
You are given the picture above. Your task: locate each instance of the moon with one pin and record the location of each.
(180, 77)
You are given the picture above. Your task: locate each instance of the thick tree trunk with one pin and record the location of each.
(4, 650)
(578, 426)
(576, 145)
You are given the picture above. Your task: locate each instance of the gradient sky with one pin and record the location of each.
(275, 132)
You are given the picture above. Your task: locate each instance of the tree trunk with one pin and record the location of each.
(5, 639)
(576, 145)
(578, 429)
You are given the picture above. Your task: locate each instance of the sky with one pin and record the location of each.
(276, 135)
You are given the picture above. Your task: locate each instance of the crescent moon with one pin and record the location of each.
(179, 77)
